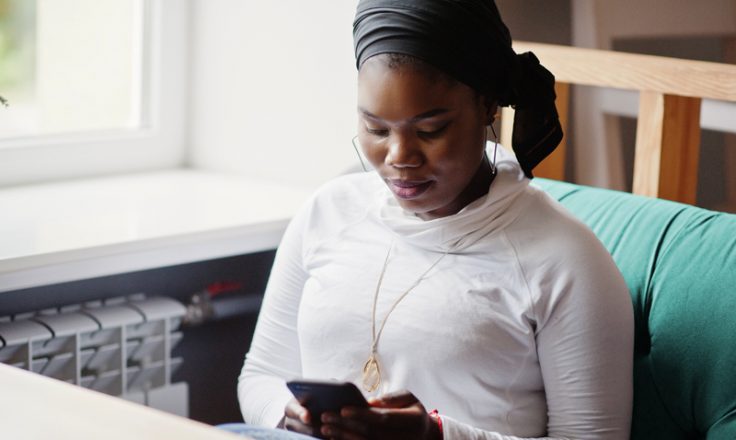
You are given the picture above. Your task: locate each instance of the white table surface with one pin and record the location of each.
(66, 231)
(35, 407)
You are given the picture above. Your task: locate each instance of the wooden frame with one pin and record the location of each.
(668, 127)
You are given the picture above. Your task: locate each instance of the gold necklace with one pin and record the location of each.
(371, 368)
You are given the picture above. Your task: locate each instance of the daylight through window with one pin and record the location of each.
(70, 66)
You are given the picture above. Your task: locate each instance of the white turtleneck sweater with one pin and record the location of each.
(523, 330)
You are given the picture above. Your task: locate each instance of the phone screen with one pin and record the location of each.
(319, 397)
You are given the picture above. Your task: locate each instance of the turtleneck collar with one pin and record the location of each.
(457, 232)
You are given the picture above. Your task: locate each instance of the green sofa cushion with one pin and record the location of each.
(679, 262)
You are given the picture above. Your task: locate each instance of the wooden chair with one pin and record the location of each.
(601, 24)
(668, 126)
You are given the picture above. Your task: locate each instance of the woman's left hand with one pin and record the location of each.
(392, 416)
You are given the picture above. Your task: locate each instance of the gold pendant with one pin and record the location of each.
(371, 374)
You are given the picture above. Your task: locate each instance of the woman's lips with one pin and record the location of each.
(408, 189)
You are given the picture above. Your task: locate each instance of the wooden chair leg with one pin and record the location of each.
(667, 147)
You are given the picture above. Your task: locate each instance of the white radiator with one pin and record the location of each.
(120, 347)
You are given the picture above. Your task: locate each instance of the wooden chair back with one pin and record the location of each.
(668, 126)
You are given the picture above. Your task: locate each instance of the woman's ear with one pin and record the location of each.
(491, 110)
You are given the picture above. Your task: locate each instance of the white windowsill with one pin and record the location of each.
(67, 231)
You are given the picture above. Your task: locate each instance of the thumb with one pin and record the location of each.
(397, 399)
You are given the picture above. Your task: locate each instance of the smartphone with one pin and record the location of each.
(325, 396)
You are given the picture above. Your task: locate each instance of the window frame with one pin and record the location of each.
(160, 141)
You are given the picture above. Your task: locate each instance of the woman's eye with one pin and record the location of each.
(432, 131)
(377, 131)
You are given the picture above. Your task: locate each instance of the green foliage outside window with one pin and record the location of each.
(17, 46)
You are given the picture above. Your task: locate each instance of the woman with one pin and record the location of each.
(443, 280)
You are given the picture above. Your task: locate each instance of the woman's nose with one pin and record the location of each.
(404, 152)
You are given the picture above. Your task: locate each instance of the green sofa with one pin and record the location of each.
(679, 262)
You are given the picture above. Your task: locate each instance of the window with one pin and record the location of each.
(58, 77)
(92, 87)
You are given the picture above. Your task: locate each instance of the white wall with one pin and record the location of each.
(273, 88)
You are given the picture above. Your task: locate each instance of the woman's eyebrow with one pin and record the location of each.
(426, 115)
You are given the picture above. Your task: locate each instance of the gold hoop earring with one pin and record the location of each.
(495, 150)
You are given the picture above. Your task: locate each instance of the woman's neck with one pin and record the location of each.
(478, 187)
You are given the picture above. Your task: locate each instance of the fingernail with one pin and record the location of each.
(326, 431)
(346, 412)
(329, 418)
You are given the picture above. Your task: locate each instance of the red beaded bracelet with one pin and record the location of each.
(436, 415)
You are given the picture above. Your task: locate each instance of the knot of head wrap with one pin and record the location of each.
(467, 40)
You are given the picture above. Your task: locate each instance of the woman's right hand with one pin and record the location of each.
(297, 418)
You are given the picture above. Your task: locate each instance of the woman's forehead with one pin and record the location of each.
(407, 64)
(406, 93)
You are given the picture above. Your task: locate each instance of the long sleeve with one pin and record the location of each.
(274, 354)
(585, 345)
(584, 338)
(585, 356)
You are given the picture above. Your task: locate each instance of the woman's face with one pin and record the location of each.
(424, 135)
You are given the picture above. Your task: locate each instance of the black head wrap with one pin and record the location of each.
(467, 40)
